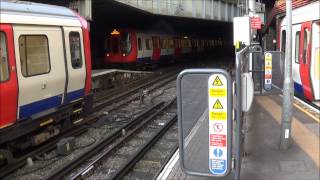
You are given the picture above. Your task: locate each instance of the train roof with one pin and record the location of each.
(22, 12)
(305, 13)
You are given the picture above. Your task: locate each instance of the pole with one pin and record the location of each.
(252, 7)
(287, 84)
(238, 136)
(238, 116)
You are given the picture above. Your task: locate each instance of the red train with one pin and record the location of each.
(132, 47)
(45, 73)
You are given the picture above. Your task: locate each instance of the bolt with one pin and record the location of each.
(29, 161)
(123, 132)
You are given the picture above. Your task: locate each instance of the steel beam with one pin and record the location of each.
(216, 10)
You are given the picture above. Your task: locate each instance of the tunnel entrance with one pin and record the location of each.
(108, 15)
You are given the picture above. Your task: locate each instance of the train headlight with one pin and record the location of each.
(123, 54)
(108, 54)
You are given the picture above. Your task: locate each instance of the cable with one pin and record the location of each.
(94, 140)
(162, 92)
(55, 158)
(38, 158)
(37, 169)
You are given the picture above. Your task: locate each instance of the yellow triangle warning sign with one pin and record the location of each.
(217, 105)
(217, 82)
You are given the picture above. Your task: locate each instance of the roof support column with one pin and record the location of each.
(204, 9)
(212, 16)
(193, 8)
(219, 10)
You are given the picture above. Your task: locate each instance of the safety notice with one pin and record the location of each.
(268, 71)
(218, 135)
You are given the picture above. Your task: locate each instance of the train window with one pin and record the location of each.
(283, 41)
(125, 43)
(156, 43)
(148, 47)
(139, 44)
(34, 55)
(305, 45)
(75, 50)
(164, 44)
(178, 45)
(297, 47)
(4, 65)
(171, 45)
(115, 45)
(107, 45)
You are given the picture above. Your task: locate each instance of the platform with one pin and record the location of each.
(100, 72)
(105, 78)
(264, 160)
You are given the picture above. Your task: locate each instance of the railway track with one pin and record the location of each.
(21, 161)
(99, 109)
(107, 94)
(148, 130)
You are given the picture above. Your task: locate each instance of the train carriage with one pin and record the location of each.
(305, 50)
(134, 47)
(45, 72)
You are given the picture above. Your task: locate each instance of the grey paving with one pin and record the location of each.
(263, 159)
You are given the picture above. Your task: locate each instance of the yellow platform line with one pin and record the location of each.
(307, 113)
(308, 141)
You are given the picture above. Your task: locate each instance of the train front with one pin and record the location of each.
(120, 47)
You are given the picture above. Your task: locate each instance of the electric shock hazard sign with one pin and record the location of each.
(218, 124)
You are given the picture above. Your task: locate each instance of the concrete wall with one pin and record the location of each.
(203, 9)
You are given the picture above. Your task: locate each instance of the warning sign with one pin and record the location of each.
(218, 127)
(255, 23)
(218, 115)
(217, 105)
(217, 82)
(218, 124)
(268, 71)
(218, 92)
(218, 140)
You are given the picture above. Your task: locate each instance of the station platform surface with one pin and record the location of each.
(100, 72)
(264, 160)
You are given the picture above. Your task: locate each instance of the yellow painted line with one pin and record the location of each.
(307, 113)
(6, 125)
(77, 121)
(77, 110)
(49, 121)
(308, 141)
(75, 100)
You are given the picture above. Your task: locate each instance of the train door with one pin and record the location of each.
(8, 78)
(148, 47)
(315, 62)
(156, 48)
(296, 32)
(139, 46)
(73, 40)
(177, 51)
(305, 60)
(40, 68)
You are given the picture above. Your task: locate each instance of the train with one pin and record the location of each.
(132, 47)
(305, 50)
(45, 74)
(45, 69)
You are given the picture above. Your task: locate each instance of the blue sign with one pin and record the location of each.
(218, 166)
(217, 152)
